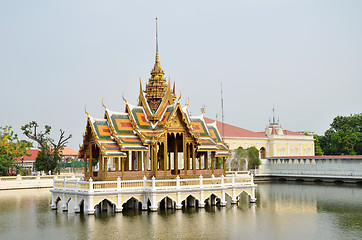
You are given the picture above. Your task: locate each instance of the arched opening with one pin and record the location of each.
(282, 179)
(299, 180)
(262, 152)
(318, 180)
(66, 205)
(167, 203)
(243, 199)
(234, 165)
(57, 200)
(359, 182)
(105, 206)
(338, 181)
(132, 204)
(190, 202)
(212, 200)
(81, 207)
(148, 203)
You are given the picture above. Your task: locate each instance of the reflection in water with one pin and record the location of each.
(282, 211)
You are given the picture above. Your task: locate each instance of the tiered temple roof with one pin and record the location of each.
(158, 121)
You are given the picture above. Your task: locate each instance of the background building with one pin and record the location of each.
(274, 141)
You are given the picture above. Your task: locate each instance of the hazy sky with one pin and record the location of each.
(303, 57)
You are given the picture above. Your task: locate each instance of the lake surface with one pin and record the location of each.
(282, 211)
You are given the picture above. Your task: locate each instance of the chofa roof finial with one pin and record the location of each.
(103, 104)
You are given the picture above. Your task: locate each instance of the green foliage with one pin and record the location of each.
(317, 145)
(24, 171)
(6, 162)
(46, 160)
(10, 149)
(251, 154)
(49, 154)
(344, 137)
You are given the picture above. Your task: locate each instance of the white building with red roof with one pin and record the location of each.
(28, 161)
(272, 142)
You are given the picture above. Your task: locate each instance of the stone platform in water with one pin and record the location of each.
(150, 194)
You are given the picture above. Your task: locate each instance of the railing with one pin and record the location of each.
(44, 177)
(151, 185)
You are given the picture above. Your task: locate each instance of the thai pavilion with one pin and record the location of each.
(157, 138)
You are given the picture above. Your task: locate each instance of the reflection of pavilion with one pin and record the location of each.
(157, 138)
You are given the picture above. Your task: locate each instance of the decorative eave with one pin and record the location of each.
(143, 102)
(189, 128)
(168, 99)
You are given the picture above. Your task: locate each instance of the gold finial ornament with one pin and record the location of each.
(156, 87)
(217, 117)
(188, 101)
(124, 98)
(157, 57)
(85, 110)
(179, 96)
(103, 104)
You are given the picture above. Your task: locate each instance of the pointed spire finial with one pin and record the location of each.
(273, 115)
(85, 110)
(203, 109)
(157, 57)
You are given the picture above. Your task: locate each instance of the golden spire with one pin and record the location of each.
(157, 86)
(157, 57)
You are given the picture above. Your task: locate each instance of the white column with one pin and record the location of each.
(53, 205)
(252, 197)
(76, 205)
(223, 201)
(65, 206)
(90, 207)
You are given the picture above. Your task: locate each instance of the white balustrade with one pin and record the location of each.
(146, 185)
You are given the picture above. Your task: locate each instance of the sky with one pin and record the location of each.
(304, 58)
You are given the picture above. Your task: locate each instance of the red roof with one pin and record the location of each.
(33, 154)
(287, 132)
(232, 131)
(69, 152)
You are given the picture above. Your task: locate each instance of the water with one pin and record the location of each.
(282, 211)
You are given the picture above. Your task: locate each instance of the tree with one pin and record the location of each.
(317, 145)
(49, 154)
(251, 154)
(344, 136)
(10, 149)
